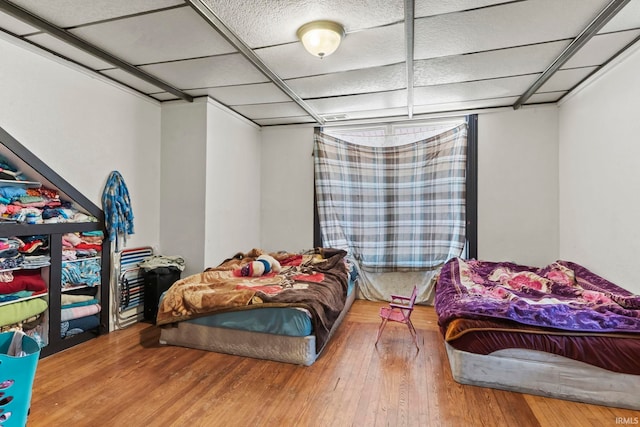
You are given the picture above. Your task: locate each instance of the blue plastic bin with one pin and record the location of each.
(16, 380)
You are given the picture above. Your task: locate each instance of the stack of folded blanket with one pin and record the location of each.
(20, 299)
(80, 309)
(24, 201)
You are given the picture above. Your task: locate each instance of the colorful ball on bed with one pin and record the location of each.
(273, 264)
(264, 264)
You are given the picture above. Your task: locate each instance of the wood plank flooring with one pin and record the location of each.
(126, 378)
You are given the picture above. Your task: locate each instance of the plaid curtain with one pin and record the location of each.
(393, 208)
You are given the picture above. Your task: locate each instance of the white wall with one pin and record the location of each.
(83, 128)
(210, 183)
(182, 183)
(518, 186)
(287, 188)
(599, 178)
(233, 185)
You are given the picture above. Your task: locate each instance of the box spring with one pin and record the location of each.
(545, 374)
(279, 348)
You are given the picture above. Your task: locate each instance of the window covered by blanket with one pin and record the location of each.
(392, 196)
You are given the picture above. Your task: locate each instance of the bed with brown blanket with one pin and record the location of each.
(286, 310)
(559, 331)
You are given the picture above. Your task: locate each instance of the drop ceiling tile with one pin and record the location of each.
(469, 91)
(369, 101)
(222, 70)
(164, 96)
(15, 26)
(270, 111)
(566, 79)
(437, 7)
(513, 24)
(373, 114)
(467, 105)
(375, 79)
(161, 36)
(364, 49)
(272, 22)
(486, 65)
(600, 48)
(628, 18)
(131, 80)
(258, 93)
(285, 121)
(538, 98)
(68, 51)
(67, 13)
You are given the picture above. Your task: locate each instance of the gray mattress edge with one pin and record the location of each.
(545, 374)
(279, 348)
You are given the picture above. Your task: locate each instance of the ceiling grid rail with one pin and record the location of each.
(67, 37)
(591, 30)
(409, 13)
(212, 19)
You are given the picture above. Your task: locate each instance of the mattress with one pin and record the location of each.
(300, 350)
(610, 351)
(545, 374)
(293, 322)
(294, 329)
(559, 331)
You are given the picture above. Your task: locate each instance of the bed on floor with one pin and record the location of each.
(279, 306)
(559, 331)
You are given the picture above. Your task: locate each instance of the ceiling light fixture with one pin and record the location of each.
(321, 38)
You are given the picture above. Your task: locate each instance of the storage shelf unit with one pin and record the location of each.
(13, 150)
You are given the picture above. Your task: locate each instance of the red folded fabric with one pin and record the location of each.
(10, 287)
(24, 280)
(88, 246)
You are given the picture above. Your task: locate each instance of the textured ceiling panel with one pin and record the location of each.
(131, 80)
(376, 79)
(514, 24)
(566, 79)
(162, 36)
(269, 111)
(68, 13)
(244, 94)
(284, 120)
(164, 96)
(263, 23)
(600, 48)
(538, 98)
(15, 26)
(469, 54)
(628, 18)
(437, 7)
(487, 65)
(364, 49)
(371, 101)
(461, 106)
(482, 89)
(73, 53)
(224, 70)
(374, 114)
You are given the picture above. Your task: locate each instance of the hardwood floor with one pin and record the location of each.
(126, 378)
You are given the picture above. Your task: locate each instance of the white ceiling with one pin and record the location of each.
(467, 54)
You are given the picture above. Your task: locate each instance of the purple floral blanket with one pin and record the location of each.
(562, 295)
